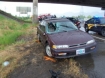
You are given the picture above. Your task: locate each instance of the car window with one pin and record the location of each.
(73, 19)
(96, 21)
(91, 21)
(102, 20)
(44, 23)
(41, 23)
(99, 20)
(61, 26)
(51, 27)
(42, 26)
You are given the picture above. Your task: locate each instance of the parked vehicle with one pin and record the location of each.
(75, 21)
(46, 16)
(96, 24)
(62, 39)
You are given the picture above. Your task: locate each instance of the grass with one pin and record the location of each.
(9, 38)
(12, 50)
(74, 70)
(25, 18)
(11, 55)
(10, 31)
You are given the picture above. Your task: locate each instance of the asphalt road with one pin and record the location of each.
(94, 63)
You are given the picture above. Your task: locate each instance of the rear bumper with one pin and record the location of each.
(72, 53)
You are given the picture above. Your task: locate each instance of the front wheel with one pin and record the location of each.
(103, 31)
(48, 51)
(86, 29)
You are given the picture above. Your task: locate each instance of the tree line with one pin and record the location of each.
(82, 16)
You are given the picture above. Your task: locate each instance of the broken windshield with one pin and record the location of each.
(61, 26)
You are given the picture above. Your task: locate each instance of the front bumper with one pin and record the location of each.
(72, 52)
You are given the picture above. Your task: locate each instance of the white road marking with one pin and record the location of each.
(99, 38)
(91, 33)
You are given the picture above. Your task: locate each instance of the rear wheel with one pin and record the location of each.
(103, 31)
(86, 28)
(48, 51)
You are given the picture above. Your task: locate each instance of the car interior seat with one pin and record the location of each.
(51, 27)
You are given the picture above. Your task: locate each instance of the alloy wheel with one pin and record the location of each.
(48, 51)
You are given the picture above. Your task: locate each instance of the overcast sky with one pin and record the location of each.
(58, 9)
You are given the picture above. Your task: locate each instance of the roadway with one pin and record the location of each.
(94, 63)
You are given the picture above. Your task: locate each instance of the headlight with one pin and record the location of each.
(60, 46)
(91, 41)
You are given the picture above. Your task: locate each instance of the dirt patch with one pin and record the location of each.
(35, 66)
(32, 64)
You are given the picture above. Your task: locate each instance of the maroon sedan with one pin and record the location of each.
(62, 39)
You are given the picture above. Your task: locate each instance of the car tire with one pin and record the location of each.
(48, 50)
(86, 29)
(99, 33)
(103, 31)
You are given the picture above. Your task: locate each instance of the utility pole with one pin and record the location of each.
(35, 12)
(82, 13)
(5, 8)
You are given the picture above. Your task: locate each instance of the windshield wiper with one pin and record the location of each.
(66, 26)
(64, 30)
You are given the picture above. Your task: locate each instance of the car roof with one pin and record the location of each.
(98, 17)
(56, 19)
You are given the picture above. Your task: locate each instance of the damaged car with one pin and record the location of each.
(62, 39)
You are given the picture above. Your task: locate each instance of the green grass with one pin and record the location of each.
(25, 18)
(11, 33)
(9, 38)
(10, 30)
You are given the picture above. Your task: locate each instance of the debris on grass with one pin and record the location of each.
(37, 41)
(74, 71)
(6, 63)
(54, 74)
(49, 58)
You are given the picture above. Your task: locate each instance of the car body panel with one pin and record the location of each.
(72, 52)
(70, 37)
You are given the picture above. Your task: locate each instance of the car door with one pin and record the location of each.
(42, 31)
(97, 26)
(90, 23)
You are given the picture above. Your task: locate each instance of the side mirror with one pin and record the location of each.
(44, 34)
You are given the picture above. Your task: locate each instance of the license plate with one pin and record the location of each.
(80, 51)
